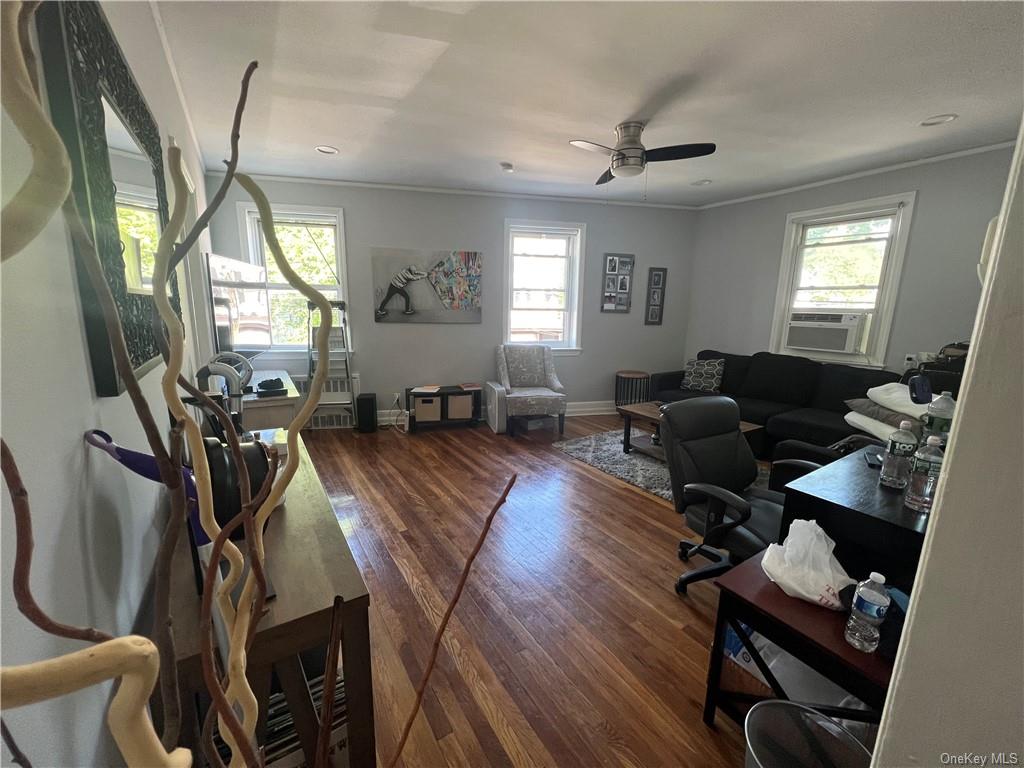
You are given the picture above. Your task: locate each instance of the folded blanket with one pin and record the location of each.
(873, 410)
(879, 429)
(896, 397)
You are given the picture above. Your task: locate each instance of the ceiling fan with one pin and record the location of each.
(629, 157)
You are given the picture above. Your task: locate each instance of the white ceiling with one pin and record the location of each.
(437, 94)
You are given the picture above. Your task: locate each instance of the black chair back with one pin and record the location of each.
(703, 444)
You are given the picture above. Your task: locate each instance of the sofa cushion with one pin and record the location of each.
(781, 378)
(812, 425)
(703, 375)
(735, 371)
(672, 395)
(759, 411)
(839, 383)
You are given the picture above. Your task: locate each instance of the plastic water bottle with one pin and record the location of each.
(870, 603)
(939, 417)
(895, 470)
(924, 475)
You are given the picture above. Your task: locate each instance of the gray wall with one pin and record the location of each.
(390, 357)
(738, 249)
(96, 527)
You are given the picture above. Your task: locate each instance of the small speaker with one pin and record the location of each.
(366, 412)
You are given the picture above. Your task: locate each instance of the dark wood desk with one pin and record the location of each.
(809, 632)
(872, 529)
(310, 563)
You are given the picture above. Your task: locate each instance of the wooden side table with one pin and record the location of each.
(632, 387)
(809, 632)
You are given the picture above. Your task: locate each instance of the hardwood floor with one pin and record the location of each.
(569, 646)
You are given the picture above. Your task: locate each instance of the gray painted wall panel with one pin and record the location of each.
(390, 357)
(738, 249)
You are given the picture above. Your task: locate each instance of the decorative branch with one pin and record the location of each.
(134, 660)
(23, 559)
(238, 686)
(163, 634)
(17, 756)
(421, 688)
(181, 249)
(168, 382)
(25, 16)
(49, 180)
(323, 736)
(237, 738)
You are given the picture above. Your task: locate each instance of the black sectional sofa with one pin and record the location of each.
(793, 397)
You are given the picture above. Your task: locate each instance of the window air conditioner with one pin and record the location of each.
(827, 331)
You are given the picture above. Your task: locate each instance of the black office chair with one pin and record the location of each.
(712, 467)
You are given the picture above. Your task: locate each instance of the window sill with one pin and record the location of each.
(566, 351)
(859, 361)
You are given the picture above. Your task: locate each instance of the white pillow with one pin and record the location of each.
(874, 427)
(896, 397)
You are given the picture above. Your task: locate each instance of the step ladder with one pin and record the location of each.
(338, 394)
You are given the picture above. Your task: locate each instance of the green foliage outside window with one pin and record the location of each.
(310, 250)
(142, 225)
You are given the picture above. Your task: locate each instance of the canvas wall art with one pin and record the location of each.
(617, 282)
(420, 286)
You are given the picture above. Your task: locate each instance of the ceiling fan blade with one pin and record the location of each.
(592, 147)
(678, 152)
(605, 177)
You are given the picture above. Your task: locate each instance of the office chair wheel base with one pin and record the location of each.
(681, 587)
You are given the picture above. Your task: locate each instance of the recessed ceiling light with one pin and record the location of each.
(702, 183)
(939, 119)
(326, 149)
(507, 167)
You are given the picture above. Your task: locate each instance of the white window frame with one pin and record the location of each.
(250, 236)
(572, 344)
(900, 205)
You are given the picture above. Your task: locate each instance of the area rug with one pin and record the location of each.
(603, 451)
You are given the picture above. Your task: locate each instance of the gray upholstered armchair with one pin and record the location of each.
(528, 384)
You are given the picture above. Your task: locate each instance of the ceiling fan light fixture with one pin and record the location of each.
(326, 149)
(928, 122)
(507, 167)
(623, 171)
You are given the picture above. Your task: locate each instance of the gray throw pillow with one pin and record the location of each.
(703, 375)
(873, 410)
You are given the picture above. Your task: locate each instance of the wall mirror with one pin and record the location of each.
(117, 160)
(138, 212)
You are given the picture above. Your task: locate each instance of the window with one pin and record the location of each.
(839, 279)
(544, 262)
(138, 225)
(313, 242)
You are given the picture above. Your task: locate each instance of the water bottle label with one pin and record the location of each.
(868, 608)
(901, 449)
(925, 467)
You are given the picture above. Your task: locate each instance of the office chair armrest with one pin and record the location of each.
(785, 471)
(719, 499)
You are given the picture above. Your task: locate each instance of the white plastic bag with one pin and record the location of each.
(803, 566)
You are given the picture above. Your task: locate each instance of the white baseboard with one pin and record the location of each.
(590, 408)
(578, 408)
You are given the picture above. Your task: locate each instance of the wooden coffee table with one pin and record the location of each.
(649, 413)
